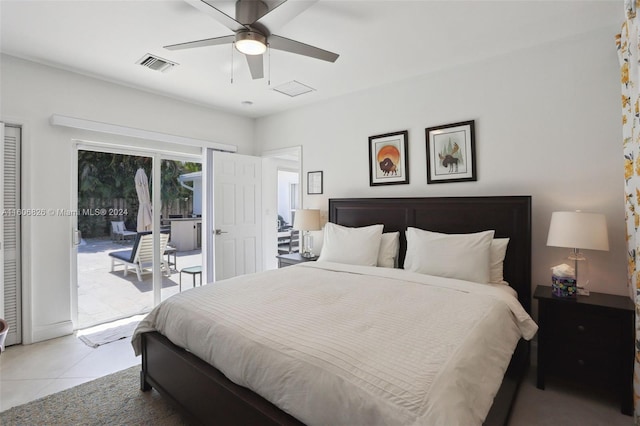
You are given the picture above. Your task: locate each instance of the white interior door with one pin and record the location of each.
(237, 206)
(10, 280)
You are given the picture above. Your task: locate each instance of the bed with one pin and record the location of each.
(209, 397)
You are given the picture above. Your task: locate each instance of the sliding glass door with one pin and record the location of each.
(127, 254)
(114, 239)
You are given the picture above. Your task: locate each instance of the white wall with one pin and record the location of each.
(31, 93)
(547, 123)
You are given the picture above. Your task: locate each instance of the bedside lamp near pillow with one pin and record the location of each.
(578, 230)
(307, 220)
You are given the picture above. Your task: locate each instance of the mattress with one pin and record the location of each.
(340, 344)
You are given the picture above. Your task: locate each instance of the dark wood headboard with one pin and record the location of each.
(509, 216)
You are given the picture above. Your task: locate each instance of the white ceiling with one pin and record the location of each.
(379, 42)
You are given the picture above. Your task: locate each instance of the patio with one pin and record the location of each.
(105, 296)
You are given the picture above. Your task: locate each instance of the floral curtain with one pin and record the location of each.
(628, 44)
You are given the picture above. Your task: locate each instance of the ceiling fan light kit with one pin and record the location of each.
(253, 28)
(251, 43)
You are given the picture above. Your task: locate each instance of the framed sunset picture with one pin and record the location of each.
(388, 164)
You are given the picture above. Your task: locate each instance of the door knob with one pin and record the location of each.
(220, 232)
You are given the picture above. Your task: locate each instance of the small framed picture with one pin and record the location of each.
(451, 153)
(314, 183)
(388, 163)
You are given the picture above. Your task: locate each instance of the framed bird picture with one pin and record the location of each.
(451, 153)
(388, 163)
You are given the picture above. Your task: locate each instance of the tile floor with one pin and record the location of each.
(29, 372)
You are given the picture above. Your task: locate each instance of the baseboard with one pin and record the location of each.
(52, 331)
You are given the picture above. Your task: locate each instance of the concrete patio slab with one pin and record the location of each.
(105, 296)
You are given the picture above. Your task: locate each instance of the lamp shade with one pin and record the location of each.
(578, 230)
(307, 220)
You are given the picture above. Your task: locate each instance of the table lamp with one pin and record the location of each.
(307, 220)
(578, 230)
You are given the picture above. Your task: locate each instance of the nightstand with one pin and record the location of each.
(293, 259)
(587, 339)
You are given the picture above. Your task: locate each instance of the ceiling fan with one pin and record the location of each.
(254, 20)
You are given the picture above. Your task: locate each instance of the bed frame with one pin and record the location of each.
(208, 397)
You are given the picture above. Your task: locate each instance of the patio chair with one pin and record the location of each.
(120, 232)
(140, 258)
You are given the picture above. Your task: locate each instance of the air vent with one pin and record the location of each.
(156, 63)
(293, 88)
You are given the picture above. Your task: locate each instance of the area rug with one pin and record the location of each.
(111, 332)
(111, 400)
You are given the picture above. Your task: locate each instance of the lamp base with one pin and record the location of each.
(581, 267)
(307, 246)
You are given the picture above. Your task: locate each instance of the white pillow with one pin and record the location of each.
(389, 247)
(353, 246)
(461, 256)
(498, 252)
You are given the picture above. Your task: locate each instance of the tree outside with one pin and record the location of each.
(106, 181)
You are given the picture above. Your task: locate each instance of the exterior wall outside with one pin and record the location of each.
(547, 121)
(194, 181)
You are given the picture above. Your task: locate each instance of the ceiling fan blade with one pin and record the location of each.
(288, 45)
(256, 66)
(284, 12)
(202, 43)
(207, 6)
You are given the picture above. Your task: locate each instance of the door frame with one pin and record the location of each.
(270, 168)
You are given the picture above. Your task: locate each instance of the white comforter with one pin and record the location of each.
(336, 344)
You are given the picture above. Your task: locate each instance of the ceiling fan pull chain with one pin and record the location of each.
(233, 46)
(269, 59)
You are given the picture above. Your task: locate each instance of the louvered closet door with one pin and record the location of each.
(10, 282)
